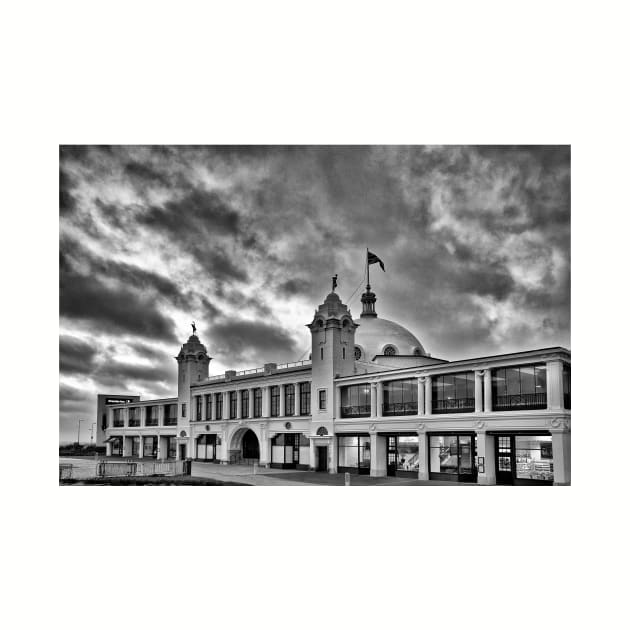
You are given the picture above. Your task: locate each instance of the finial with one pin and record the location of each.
(334, 282)
(194, 328)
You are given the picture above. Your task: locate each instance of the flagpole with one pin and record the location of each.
(367, 266)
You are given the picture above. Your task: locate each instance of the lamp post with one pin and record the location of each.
(79, 433)
(92, 432)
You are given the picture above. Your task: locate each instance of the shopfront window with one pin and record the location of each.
(353, 452)
(453, 393)
(275, 400)
(522, 387)
(257, 402)
(289, 400)
(245, 403)
(452, 455)
(206, 447)
(355, 401)
(534, 457)
(403, 453)
(305, 399)
(400, 398)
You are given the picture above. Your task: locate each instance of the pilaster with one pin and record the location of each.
(378, 455)
(428, 397)
(561, 450)
(485, 450)
(487, 393)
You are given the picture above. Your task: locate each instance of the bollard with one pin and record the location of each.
(347, 479)
(255, 467)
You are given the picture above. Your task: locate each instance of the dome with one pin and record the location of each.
(376, 335)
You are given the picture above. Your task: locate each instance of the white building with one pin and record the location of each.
(370, 401)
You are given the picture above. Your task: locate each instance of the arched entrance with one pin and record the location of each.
(244, 447)
(250, 447)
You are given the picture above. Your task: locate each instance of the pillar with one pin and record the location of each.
(332, 456)
(161, 415)
(226, 405)
(239, 404)
(373, 402)
(126, 416)
(126, 445)
(108, 449)
(423, 456)
(141, 447)
(561, 450)
(282, 411)
(487, 390)
(312, 451)
(555, 398)
(223, 449)
(428, 396)
(379, 399)
(421, 380)
(478, 391)
(266, 401)
(265, 460)
(485, 449)
(251, 403)
(337, 401)
(204, 407)
(378, 455)
(143, 416)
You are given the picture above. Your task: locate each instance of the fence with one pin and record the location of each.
(125, 469)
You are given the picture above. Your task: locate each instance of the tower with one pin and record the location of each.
(192, 367)
(332, 354)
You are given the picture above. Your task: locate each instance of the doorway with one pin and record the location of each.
(182, 451)
(251, 449)
(322, 459)
(505, 460)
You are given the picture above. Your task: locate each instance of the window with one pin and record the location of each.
(400, 398)
(275, 400)
(245, 403)
(171, 415)
(522, 387)
(343, 353)
(171, 447)
(183, 410)
(322, 399)
(321, 354)
(305, 399)
(355, 401)
(353, 451)
(150, 446)
(134, 417)
(118, 419)
(566, 385)
(357, 353)
(257, 402)
(534, 457)
(152, 416)
(135, 446)
(403, 453)
(289, 400)
(206, 447)
(218, 405)
(198, 415)
(232, 405)
(389, 351)
(451, 454)
(453, 393)
(117, 446)
(208, 406)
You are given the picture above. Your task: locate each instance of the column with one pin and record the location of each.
(239, 405)
(423, 456)
(379, 399)
(126, 416)
(487, 390)
(110, 418)
(561, 450)
(264, 449)
(297, 400)
(251, 402)
(421, 380)
(126, 445)
(478, 391)
(311, 455)
(373, 401)
(143, 417)
(141, 447)
(485, 449)
(555, 399)
(281, 387)
(337, 401)
(266, 406)
(108, 449)
(223, 449)
(226, 405)
(204, 406)
(378, 455)
(161, 415)
(428, 396)
(332, 456)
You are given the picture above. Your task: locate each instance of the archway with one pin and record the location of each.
(244, 447)
(250, 449)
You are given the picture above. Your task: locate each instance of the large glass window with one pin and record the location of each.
(245, 403)
(134, 417)
(218, 405)
(208, 406)
(400, 398)
(232, 405)
(135, 446)
(453, 393)
(355, 401)
(118, 419)
(171, 415)
(403, 453)
(258, 402)
(149, 447)
(152, 416)
(171, 447)
(289, 400)
(534, 457)
(322, 399)
(566, 385)
(206, 447)
(353, 452)
(275, 400)
(451, 454)
(117, 446)
(521, 387)
(198, 405)
(305, 399)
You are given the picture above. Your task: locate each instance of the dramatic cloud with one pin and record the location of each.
(243, 240)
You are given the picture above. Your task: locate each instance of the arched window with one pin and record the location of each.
(389, 351)
(357, 353)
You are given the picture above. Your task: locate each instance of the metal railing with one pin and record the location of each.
(456, 405)
(520, 401)
(400, 409)
(355, 411)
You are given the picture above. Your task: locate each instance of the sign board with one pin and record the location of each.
(118, 401)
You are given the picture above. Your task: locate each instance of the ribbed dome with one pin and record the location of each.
(375, 334)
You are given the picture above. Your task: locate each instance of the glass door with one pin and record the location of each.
(391, 456)
(465, 458)
(505, 459)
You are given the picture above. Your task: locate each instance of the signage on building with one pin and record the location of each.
(118, 401)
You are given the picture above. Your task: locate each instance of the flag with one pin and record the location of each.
(373, 258)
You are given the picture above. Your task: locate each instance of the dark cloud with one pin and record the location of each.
(76, 356)
(113, 373)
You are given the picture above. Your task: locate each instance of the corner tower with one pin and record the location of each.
(332, 353)
(192, 367)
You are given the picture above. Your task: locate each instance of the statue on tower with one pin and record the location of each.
(334, 282)
(194, 328)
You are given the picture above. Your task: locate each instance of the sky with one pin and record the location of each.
(244, 240)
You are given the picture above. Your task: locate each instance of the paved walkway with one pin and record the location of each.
(278, 477)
